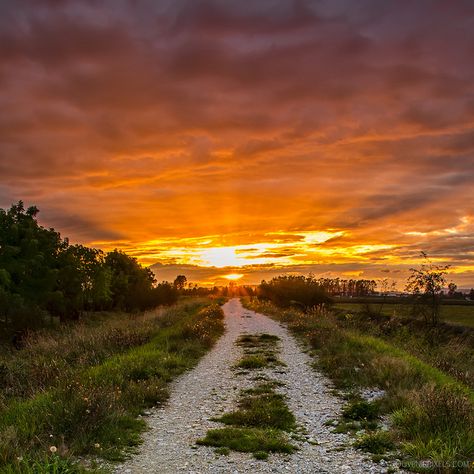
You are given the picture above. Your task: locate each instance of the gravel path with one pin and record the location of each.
(212, 388)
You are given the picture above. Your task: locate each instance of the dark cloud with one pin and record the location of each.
(189, 118)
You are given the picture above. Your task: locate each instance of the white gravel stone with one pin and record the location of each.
(212, 388)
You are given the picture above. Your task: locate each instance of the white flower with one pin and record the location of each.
(53, 449)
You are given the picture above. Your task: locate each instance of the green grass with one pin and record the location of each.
(94, 410)
(249, 440)
(377, 442)
(251, 362)
(361, 410)
(259, 351)
(261, 408)
(50, 465)
(432, 411)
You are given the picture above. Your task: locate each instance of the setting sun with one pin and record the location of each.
(234, 276)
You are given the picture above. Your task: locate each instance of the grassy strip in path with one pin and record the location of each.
(259, 351)
(95, 411)
(262, 415)
(257, 425)
(261, 407)
(258, 441)
(432, 413)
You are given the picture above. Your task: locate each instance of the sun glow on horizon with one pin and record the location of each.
(233, 276)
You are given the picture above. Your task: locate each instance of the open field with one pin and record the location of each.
(450, 313)
(80, 391)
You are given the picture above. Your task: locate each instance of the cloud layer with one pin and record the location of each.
(168, 127)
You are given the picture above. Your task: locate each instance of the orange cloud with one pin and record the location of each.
(206, 135)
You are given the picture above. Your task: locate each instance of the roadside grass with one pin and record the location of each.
(95, 411)
(449, 348)
(50, 465)
(432, 413)
(376, 442)
(50, 356)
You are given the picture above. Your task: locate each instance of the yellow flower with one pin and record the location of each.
(53, 449)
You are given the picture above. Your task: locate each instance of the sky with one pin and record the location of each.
(242, 140)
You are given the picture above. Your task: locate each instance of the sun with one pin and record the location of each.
(233, 276)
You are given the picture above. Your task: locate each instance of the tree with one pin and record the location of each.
(452, 287)
(426, 284)
(297, 291)
(131, 284)
(180, 282)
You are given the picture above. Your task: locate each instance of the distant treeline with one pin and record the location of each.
(340, 287)
(307, 292)
(42, 276)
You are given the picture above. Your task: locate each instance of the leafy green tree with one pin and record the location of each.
(28, 260)
(130, 284)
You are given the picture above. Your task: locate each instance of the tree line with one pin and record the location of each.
(43, 276)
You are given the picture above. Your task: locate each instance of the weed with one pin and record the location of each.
(377, 442)
(252, 362)
(360, 410)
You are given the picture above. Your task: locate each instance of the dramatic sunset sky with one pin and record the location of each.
(245, 138)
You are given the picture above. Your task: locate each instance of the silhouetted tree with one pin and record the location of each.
(180, 282)
(299, 291)
(426, 284)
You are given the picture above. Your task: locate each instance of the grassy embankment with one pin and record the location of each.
(432, 413)
(80, 391)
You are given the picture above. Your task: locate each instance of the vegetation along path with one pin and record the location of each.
(213, 389)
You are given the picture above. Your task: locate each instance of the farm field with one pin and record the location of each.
(453, 314)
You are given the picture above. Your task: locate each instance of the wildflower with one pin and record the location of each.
(88, 411)
(96, 445)
(53, 449)
(19, 458)
(50, 435)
